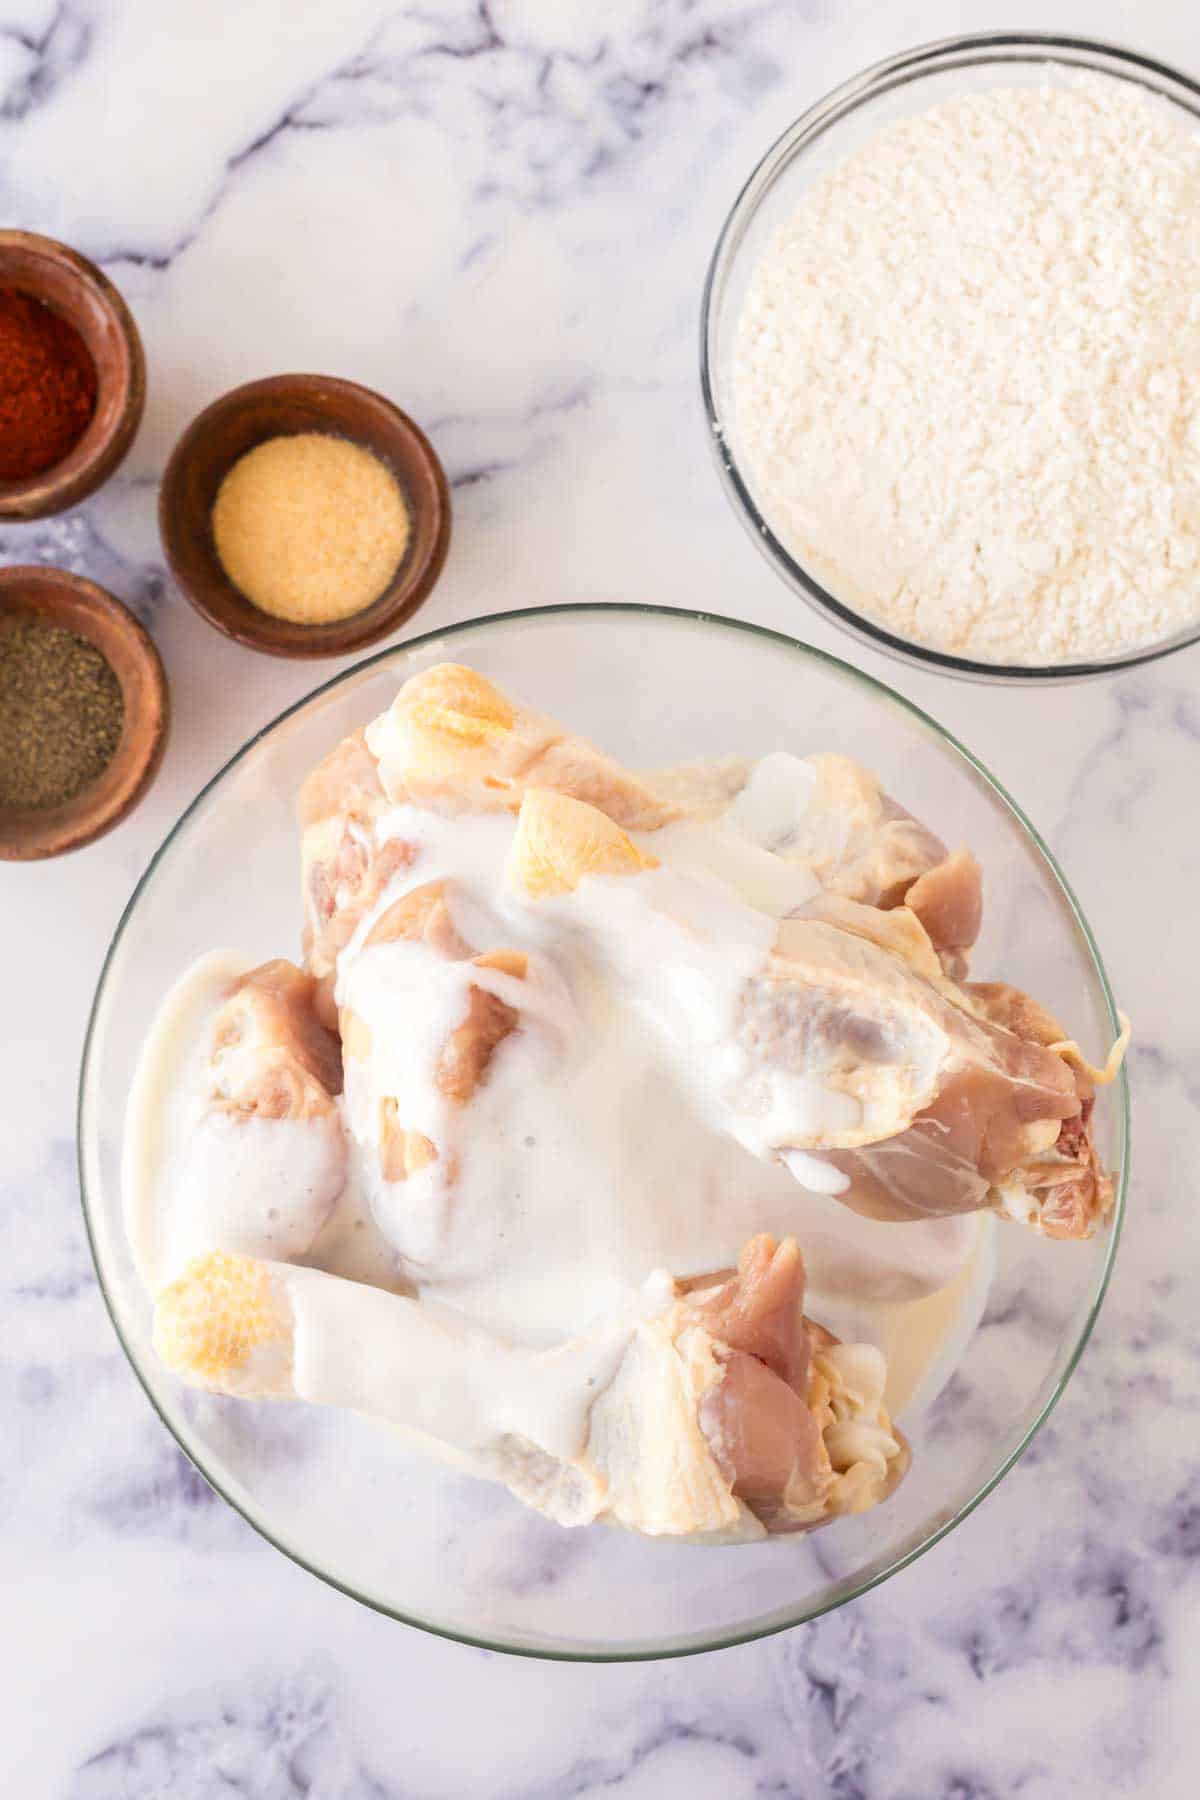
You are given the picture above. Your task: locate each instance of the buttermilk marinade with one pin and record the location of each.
(637, 1140)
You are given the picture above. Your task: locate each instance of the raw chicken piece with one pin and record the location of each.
(685, 1430)
(899, 930)
(403, 1110)
(265, 1161)
(559, 839)
(832, 815)
(947, 900)
(862, 1053)
(468, 1051)
(839, 1008)
(419, 915)
(982, 1115)
(262, 1330)
(346, 782)
(344, 869)
(452, 742)
(795, 1420)
(462, 1064)
(1073, 1191)
(701, 790)
(271, 1056)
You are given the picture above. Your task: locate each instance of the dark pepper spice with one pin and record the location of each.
(61, 714)
(47, 386)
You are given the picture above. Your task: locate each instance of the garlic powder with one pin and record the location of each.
(310, 527)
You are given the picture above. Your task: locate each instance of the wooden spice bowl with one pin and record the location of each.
(57, 598)
(81, 294)
(280, 406)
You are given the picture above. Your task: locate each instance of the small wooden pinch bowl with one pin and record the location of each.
(77, 290)
(281, 406)
(55, 597)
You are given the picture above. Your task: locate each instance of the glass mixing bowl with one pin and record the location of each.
(819, 141)
(352, 1502)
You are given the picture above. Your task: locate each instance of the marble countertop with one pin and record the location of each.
(500, 213)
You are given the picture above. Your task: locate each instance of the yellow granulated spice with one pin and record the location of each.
(310, 528)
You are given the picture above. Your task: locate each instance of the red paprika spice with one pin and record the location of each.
(47, 386)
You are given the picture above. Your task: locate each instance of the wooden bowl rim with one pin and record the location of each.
(88, 465)
(78, 604)
(410, 585)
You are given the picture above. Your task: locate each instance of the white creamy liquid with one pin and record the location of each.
(597, 1150)
(426, 1369)
(194, 1181)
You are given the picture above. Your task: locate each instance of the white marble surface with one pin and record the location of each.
(500, 214)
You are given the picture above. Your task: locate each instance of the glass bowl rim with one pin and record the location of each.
(596, 611)
(968, 50)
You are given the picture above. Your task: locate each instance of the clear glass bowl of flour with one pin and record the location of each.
(410, 1536)
(819, 142)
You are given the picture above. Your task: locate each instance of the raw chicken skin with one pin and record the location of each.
(453, 742)
(855, 838)
(263, 1164)
(271, 1055)
(1072, 1191)
(832, 815)
(688, 1433)
(419, 925)
(777, 1391)
(991, 1100)
(344, 870)
(926, 1107)
(347, 782)
(974, 1107)
(948, 901)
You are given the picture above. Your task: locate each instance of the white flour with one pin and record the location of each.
(967, 375)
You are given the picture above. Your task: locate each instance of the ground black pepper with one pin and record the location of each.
(61, 713)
